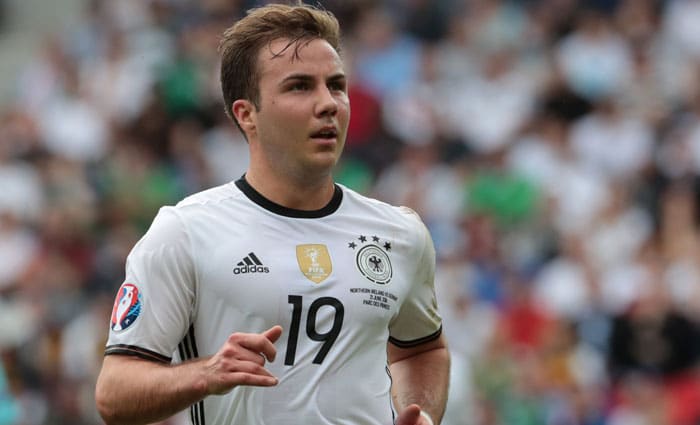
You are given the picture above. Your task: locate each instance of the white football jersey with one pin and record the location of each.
(341, 281)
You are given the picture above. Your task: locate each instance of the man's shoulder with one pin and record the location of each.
(212, 195)
(203, 205)
(378, 207)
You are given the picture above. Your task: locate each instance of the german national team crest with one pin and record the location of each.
(314, 262)
(127, 307)
(372, 259)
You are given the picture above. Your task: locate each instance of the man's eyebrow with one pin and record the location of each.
(297, 77)
(337, 77)
(308, 78)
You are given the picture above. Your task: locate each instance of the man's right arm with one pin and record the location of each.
(133, 391)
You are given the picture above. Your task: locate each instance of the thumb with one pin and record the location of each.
(273, 333)
(409, 416)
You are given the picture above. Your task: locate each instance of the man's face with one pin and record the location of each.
(304, 111)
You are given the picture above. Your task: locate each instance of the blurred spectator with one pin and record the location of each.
(594, 59)
(469, 326)
(681, 29)
(652, 340)
(487, 110)
(70, 126)
(681, 247)
(495, 191)
(118, 81)
(610, 142)
(494, 25)
(412, 114)
(619, 232)
(435, 191)
(643, 401)
(22, 194)
(387, 60)
(645, 95)
(563, 285)
(650, 336)
(225, 151)
(18, 245)
(43, 79)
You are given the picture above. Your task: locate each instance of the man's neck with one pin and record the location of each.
(299, 194)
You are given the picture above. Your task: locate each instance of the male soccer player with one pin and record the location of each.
(284, 297)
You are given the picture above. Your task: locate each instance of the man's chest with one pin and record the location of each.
(281, 272)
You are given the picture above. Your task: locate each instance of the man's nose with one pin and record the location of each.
(327, 104)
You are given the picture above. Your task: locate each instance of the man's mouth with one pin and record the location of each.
(325, 133)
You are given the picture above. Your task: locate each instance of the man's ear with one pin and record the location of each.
(245, 112)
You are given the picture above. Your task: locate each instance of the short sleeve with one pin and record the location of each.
(154, 306)
(418, 320)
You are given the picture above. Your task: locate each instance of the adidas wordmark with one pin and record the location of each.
(250, 264)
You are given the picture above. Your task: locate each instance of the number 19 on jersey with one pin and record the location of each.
(327, 338)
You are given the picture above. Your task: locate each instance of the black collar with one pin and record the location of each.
(259, 199)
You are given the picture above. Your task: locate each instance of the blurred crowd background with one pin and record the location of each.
(551, 146)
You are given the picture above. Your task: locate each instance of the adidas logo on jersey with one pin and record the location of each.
(250, 264)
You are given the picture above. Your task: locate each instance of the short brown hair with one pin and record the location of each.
(242, 42)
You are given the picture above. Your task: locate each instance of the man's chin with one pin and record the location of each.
(324, 159)
(320, 166)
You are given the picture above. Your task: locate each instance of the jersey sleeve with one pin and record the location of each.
(154, 305)
(418, 320)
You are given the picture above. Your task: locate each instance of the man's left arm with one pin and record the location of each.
(420, 376)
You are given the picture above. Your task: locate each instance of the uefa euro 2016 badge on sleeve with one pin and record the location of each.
(127, 307)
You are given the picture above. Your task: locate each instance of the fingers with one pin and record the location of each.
(260, 343)
(233, 373)
(254, 380)
(251, 373)
(241, 361)
(250, 356)
(273, 333)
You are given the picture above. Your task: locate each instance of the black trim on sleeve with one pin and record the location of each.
(193, 341)
(201, 413)
(181, 351)
(184, 349)
(133, 350)
(278, 209)
(197, 413)
(188, 346)
(416, 342)
(188, 350)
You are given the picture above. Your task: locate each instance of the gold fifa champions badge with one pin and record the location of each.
(314, 262)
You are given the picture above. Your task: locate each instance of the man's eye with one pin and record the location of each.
(337, 86)
(299, 86)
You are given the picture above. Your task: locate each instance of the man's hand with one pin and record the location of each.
(411, 415)
(137, 391)
(241, 361)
